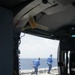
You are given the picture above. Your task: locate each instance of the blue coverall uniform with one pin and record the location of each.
(49, 62)
(36, 63)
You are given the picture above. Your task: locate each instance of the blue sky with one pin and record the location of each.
(34, 47)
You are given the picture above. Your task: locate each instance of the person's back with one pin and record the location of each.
(36, 63)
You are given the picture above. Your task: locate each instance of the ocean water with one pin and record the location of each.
(26, 63)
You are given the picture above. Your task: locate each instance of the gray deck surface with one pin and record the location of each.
(53, 72)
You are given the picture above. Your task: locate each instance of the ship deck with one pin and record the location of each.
(42, 71)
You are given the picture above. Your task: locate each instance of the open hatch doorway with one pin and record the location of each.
(33, 47)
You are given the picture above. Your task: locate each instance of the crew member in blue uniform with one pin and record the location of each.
(36, 64)
(49, 62)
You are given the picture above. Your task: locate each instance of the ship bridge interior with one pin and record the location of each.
(53, 19)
